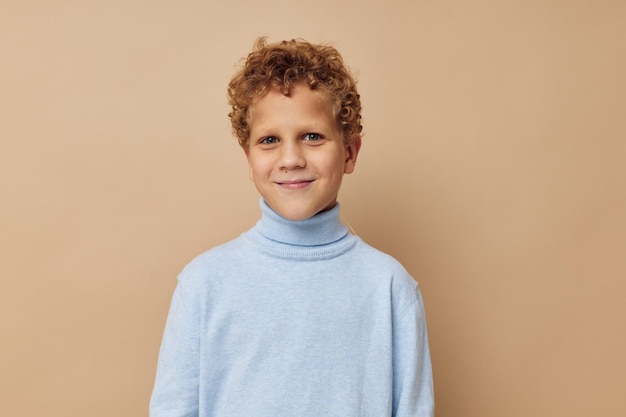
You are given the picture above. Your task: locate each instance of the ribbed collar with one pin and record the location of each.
(321, 235)
(321, 229)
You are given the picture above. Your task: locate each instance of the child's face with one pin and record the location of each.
(297, 154)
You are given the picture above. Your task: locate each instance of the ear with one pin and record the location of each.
(352, 151)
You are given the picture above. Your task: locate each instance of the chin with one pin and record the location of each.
(297, 213)
(295, 217)
(299, 210)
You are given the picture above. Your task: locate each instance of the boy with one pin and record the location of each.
(295, 317)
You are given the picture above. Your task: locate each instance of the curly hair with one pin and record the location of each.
(283, 64)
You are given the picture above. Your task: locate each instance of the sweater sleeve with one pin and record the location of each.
(412, 380)
(175, 392)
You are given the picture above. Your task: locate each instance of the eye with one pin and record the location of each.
(312, 137)
(270, 140)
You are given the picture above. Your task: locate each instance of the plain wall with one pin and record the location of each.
(493, 167)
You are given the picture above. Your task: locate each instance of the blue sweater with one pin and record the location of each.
(294, 319)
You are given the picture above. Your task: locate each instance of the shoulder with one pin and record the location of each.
(382, 266)
(213, 262)
(381, 262)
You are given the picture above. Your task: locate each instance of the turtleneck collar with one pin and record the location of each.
(321, 229)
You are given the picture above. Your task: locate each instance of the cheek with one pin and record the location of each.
(335, 166)
(258, 167)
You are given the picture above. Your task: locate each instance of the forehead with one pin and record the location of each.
(300, 104)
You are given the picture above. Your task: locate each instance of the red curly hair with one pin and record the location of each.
(283, 64)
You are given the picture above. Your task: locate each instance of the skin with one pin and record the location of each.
(297, 155)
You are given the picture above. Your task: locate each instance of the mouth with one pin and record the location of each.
(294, 184)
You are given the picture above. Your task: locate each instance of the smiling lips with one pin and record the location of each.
(295, 184)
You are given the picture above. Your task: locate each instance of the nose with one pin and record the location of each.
(291, 156)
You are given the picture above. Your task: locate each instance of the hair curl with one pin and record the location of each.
(283, 64)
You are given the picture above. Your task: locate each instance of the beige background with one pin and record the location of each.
(492, 167)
